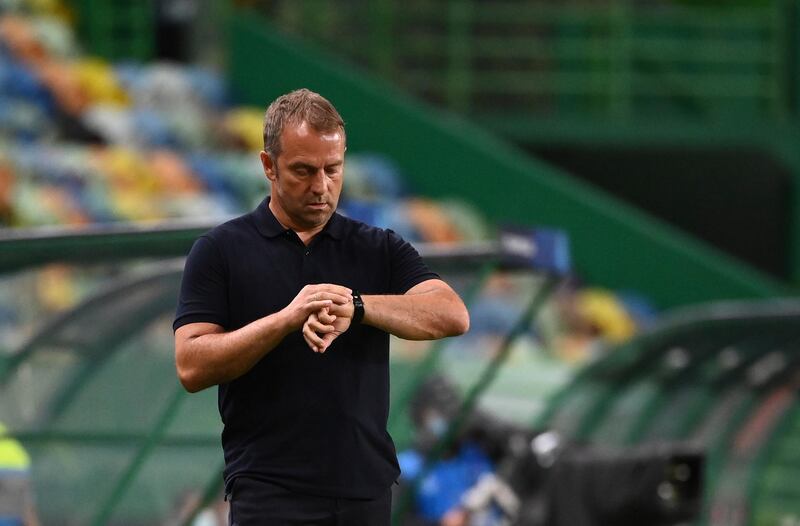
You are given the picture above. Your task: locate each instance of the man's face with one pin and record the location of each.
(306, 177)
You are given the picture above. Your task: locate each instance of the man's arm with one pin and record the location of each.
(206, 355)
(427, 311)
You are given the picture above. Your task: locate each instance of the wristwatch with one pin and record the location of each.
(358, 308)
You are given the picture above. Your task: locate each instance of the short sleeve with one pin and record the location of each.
(204, 295)
(407, 267)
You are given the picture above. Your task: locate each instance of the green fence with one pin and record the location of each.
(611, 59)
(608, 59)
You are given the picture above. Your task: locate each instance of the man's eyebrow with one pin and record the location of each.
(301, 164)
(296, 165)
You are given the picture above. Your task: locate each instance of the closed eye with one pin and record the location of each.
(302, 169)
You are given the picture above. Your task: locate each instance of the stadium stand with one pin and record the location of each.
(703, 405)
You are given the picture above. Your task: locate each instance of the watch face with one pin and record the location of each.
(358, 302)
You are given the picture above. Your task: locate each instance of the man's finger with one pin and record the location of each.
(314, 325)
(326, 317)
(327, 339)
(338, 309)
(318, 327)
(318, 343)
(315, 306)
(312, 338)
(335, 298)
(309, 343)
(330, 287)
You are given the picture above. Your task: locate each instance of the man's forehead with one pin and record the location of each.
(308, 146)
(303, 130)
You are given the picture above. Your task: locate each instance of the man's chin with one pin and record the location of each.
(316, 218)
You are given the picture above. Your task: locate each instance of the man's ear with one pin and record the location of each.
(268, 165)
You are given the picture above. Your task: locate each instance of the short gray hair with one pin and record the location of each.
(295, 107)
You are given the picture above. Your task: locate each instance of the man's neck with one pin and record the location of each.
(306, 236)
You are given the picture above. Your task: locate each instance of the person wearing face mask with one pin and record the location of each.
(442, 486)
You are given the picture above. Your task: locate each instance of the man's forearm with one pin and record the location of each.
(214, 358)
(206, 355)
(427, 313)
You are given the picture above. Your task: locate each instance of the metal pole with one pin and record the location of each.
(153, 439)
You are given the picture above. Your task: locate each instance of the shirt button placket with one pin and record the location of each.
(308, 266)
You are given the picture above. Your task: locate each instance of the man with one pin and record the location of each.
(289, 310)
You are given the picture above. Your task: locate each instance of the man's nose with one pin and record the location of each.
(319, 183)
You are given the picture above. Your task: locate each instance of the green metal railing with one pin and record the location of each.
(740, 364)
(612, 59)
(117, 29)
(609, 59)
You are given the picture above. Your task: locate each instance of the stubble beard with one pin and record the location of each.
(301, 217)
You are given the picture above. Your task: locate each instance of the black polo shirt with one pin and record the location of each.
(315, 423)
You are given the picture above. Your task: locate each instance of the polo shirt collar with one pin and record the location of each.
(269, 226)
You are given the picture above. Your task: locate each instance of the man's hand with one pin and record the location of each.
(322, 327)
(427, 311)
(312, 299)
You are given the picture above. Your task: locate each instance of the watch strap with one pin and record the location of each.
(358, 308)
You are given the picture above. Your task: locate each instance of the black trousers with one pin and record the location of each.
(258, 503)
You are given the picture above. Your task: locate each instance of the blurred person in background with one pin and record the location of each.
(583, 322)
(270, 310)
(16, 493)
(453, 478)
